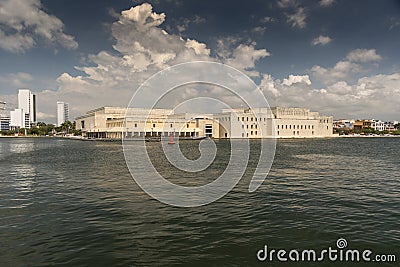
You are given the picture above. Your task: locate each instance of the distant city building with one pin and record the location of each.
(361, 124)
(378, 125)
(27, 102)
(18, 119)
(278, 122)
(4, 120)
(343, 124)
(391, 126)
(62, 113)
(25, 115)
(4, 123)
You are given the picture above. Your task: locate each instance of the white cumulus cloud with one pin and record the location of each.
(321, 40)
(363, 55)
(142, 48)
(326, 3)
(298, 19)
(375, 96)
(342, 70)
(23, 23)
(296, 79)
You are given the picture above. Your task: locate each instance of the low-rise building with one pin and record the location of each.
(361, 124)
(391, 126)
(4, 123)
(111, 122)
(278, 122)
(378, 125)
(343, 124)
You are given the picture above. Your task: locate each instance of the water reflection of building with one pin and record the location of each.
(278, 122)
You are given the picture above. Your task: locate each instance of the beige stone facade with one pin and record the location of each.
(278, 122)
(112, 122)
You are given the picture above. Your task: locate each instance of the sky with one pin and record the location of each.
(338, 57)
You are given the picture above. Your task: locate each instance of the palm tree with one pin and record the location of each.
(66, 126)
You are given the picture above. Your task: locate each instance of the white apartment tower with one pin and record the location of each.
(18, 119)
(27, 102)
(25, 115)
(62, 113)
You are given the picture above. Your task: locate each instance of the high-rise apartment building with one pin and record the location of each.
(62, 113)
(18, 119)
(4, 120)
(27, 102)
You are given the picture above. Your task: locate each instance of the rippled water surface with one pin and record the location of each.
(66, 202)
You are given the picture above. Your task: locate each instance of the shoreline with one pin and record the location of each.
(80, 138)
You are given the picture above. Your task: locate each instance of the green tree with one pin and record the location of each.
(67, 127)
(33, 131)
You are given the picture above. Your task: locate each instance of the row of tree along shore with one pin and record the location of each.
(43, 129)
(367, 132)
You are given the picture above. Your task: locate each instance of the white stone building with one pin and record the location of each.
(278, 122)
(111, 122)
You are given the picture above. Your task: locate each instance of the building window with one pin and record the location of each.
(247, 126)
(251, 132)
(294, 132)
(242, 126)
(170, 125)
(247, 118)
(256, 132)
(238, 119)
(135, 125)
(278, 126)
(154, 125)
(290, 127)
(251, 126)
(251, 118)
(312, 132)
(187, 125)
(256, 126)
(327, 127)
(298, 133)
(242, 134)
(242, 118)
(278, 132)
(208, 128)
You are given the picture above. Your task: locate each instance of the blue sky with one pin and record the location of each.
(337, 57)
